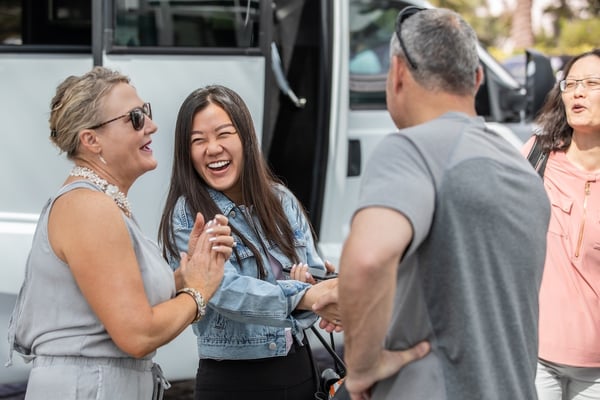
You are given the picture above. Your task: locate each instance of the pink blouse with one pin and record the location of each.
(569, 329)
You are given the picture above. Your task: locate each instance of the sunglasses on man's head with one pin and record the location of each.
(405, 14)
(137, 116)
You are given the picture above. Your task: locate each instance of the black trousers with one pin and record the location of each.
(291, 377)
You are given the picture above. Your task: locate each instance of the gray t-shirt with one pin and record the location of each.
(469, 280)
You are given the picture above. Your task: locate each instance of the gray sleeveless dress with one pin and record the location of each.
(53, 325)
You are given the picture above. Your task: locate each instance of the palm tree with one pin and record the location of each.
(521, 32)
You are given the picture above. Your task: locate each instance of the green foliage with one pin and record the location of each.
(577, 28)
(576, 36)
(579, 34)
(490, 30)
(463, 7)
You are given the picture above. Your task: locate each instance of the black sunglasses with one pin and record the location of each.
(405, 14)
(137, 117)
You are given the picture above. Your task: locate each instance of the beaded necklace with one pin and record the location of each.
(111, 190)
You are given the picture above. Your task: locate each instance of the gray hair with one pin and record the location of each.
(77, 106)
(443, 46)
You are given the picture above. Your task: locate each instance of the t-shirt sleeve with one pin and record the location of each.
(398, 177)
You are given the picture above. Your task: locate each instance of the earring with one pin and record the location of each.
(102, 159)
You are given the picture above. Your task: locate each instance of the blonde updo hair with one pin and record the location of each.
(76, 106)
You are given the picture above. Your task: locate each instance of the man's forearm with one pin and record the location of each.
(367, 282)
(366, 297)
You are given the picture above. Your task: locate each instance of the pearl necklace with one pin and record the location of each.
(108, 188)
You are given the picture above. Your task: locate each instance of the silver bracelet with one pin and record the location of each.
(200, 303)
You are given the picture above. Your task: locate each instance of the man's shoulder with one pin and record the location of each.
(437, 142)
(443, 132)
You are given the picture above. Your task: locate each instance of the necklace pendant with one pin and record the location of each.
(111, 190)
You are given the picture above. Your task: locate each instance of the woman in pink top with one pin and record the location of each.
(569, 329)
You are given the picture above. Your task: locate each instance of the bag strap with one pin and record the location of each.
(339, 363)
(314, 366)
(538, 157)
(328, 377)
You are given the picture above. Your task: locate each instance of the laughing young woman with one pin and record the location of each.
(251, 343)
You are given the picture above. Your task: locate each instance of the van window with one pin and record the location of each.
(370, 31)
(45, 22)
(137, 23)
(372, 23)
(149, 23)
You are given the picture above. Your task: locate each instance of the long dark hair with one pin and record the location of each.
(257, 181)
(555, 132)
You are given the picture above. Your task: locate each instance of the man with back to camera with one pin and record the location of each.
(448, 241)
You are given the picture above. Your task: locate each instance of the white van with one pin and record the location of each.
(311, 71)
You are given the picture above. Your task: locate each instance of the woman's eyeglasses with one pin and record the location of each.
(568, 85)
(137, 116)
(405, 14)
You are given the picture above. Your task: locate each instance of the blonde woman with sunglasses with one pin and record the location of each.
(98, 299)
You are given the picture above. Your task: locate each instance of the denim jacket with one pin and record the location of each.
(247, 317)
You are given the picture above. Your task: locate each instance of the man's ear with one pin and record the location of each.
(397, 73)
(479, 76)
